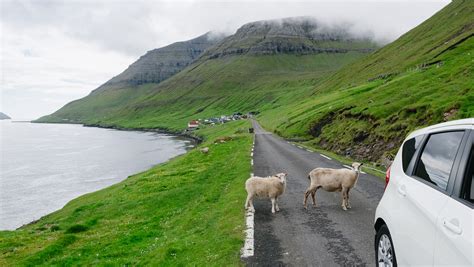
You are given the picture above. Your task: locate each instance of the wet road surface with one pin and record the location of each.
(322, 236)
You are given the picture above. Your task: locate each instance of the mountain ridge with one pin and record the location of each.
(135, 97)
(4, 116)
(295, 35)
(161, 63)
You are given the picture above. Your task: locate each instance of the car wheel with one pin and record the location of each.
(384, 250)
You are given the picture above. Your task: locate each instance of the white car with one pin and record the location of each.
(425, 216)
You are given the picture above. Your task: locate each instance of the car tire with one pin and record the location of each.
(384, 249)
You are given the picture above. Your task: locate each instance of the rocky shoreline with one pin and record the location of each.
(195, 139)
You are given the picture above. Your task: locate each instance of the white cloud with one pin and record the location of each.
(38, 65)
(57, 51)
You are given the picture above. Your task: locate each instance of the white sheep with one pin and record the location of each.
(204, 150)
(270, 187)
(333, 180)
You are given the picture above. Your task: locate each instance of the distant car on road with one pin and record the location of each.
(425, 216)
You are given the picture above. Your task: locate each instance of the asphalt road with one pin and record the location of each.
(322, 236)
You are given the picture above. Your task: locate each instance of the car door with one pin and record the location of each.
(454, 227)
(423, 191)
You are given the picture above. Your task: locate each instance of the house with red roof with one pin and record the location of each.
(193, 125)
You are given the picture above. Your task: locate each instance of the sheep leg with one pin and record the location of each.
(273, 205)
(249, 203)
(306, 194)
(313, 196)
(344, 199)
(348, 204)
(276, 204)
(252, 208)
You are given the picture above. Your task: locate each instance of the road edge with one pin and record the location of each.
(248, 248)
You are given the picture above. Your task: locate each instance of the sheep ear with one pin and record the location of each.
(361, 164)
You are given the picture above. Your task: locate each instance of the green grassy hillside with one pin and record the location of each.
(420, 47)
(262, 62)
(366, 109)
(209, 88)
(188, 211)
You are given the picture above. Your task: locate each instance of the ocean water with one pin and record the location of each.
(44, 166)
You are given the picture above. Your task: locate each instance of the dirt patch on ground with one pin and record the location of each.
(450, 114)
(316, 129)
(374, 149)
(366, 144)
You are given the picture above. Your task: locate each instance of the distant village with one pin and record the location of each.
(194, 124)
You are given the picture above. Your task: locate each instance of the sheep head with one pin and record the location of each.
(282, 177)
(356, 166)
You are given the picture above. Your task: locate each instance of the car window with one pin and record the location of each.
(437, 158)
(467, 191)
(408, 151)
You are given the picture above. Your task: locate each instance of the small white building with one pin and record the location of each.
(193, 125)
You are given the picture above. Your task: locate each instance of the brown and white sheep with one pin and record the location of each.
(332, 180)
(270, 187)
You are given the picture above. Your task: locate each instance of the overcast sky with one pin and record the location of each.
(53, 52)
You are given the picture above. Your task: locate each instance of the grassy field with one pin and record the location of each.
(188, 211)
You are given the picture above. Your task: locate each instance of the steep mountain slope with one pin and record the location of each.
(4, 116)
(138, 79)
(365, 109)
(300, 35)
(418, 48)
(159, 64)
(262, 62)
